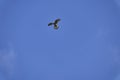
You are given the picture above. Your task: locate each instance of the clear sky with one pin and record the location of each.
(85, 47)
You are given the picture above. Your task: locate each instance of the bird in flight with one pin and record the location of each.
(55, 23)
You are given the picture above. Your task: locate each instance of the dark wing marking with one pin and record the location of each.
(50, 24)
(56, 21)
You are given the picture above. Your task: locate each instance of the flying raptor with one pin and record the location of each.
(55, 23)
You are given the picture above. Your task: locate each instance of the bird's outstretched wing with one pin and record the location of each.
(56, 21)
(50, 24)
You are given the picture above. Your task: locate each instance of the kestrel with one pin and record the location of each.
(55, 23)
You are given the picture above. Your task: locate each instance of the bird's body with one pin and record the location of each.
(55, 24)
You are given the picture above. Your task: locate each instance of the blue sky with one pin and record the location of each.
(85, 47)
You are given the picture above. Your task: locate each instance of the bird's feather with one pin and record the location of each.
(50, 24)
(56, 21)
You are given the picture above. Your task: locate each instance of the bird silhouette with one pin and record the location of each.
(55, 23)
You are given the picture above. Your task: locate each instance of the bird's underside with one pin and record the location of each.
(55, 24)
